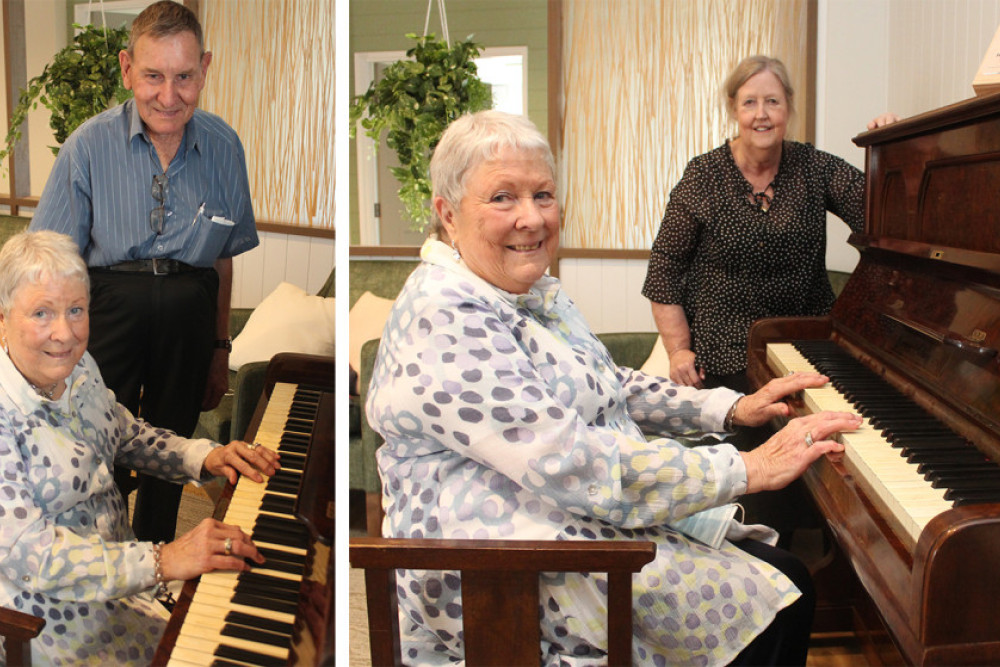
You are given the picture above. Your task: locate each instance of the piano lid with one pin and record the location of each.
(932, 185)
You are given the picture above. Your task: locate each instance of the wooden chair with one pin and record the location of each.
(17, 629)
(499, 591)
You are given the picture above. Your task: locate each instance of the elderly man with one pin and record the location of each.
(155, 193)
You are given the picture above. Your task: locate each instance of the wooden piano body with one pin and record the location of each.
(921, 310)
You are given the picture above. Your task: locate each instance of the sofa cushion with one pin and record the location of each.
(658, 362)
(287, 320)
(366, 322)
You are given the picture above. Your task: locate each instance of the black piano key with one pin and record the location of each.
(252, 579)
(253, 621)
(245, 657)
(256, 635)
(262, 602)
(958, 457)
(969, 483)
(279, 556)
(969, 497)
(277, 504)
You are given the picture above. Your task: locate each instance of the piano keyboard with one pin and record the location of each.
(902, 454)
(246, 618)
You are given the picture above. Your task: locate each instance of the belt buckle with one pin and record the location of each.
(156, 267)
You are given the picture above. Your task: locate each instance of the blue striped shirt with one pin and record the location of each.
(100, 192)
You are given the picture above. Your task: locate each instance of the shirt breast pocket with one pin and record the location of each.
(213, 230)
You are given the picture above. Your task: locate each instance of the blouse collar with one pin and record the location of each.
(539, 299)
(22, 395)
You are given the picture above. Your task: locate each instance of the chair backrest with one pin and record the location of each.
(17, 630)
(500, 604)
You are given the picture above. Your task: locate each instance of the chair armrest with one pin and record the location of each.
(506, 555)
(17, 630)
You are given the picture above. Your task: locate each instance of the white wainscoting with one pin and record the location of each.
(608, 293)
(301, 260)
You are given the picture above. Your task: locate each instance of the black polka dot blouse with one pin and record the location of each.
(729, 262)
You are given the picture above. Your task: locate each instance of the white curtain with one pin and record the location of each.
(272, 79)
(642, 95)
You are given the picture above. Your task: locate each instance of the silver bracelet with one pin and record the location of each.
(160, 591)
(727, 423)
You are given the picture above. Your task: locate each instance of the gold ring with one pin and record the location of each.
(229, 546)
(809, 439)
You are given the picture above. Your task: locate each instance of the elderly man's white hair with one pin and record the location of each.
(479, 137)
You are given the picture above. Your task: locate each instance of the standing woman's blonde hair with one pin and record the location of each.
(751, 67)
(28, 256)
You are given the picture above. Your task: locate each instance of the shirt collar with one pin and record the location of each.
(192, 131)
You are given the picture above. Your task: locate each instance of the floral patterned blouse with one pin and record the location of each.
(729, 262)
(67, 552)
(505, 417)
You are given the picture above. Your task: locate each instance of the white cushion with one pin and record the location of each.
(658, 362)
(366, 322)
(287, 320)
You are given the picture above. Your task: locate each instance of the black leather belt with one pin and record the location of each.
(158, 267)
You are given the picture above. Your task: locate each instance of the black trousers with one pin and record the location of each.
(786, 640)
(785, 509)
(152, 338)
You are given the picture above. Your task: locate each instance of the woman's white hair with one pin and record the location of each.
(475, 138)
(28, 256)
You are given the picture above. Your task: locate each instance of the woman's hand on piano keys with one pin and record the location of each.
(203, 549)
(767, 402)
(239, 458)
(789, 452)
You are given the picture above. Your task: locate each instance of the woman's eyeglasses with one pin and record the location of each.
(159, 192)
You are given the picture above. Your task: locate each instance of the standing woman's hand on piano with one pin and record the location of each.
(787, 454)
(240, 458)
(203, 549)
(768, 402)
(888, 118)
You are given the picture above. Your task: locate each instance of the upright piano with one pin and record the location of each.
(280, 613)
(912, 344)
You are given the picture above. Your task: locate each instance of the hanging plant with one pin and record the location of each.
(413, 103)
(83, 79)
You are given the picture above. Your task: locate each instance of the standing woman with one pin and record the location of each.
(744, 233)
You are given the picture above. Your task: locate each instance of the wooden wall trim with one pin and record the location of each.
(554, 55)
(384, 250)
(812, 13)
(295, 230)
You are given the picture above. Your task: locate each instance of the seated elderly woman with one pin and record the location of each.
(67, 553)
(505, 417)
